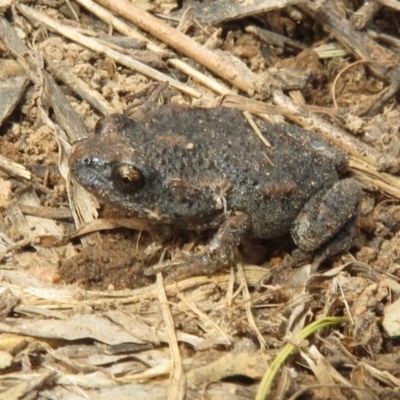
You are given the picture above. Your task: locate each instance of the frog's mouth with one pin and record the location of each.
(92, 174)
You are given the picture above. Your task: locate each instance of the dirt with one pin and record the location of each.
(112, 263)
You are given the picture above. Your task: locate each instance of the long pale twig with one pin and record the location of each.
(214, 62)
(94, 45)
(127, 30)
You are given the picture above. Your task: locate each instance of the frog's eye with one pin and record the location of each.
(127, 178)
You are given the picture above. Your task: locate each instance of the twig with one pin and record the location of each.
(159, 29)
(226, 10)
(333, 134)
(383, 37)
(363, 47)
(390, 3)
(46, 212)
(22, 243)
(80, 87)
(94, 45)
(360, 44)
(205, 80)
(274, 38)
(127, 30)
(365, 13)
(14, 169)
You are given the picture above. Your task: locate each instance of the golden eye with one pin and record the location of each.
(127, 178)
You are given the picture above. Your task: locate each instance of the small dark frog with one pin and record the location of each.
(199, 169)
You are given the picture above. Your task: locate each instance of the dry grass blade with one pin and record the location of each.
(324, 372)
(380, 181)
(26, 388)
(203, 316)
(247, 299)
(177, 378)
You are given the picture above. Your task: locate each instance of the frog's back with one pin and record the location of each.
(216, 150)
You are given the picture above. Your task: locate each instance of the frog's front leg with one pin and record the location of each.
(327, 220)
(218, 253)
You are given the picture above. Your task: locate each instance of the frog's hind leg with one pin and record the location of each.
(325, 227)
(326, 214)
(341, 242)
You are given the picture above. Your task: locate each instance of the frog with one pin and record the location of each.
(206, 169)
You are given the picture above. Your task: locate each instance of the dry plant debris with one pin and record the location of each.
(79, 318)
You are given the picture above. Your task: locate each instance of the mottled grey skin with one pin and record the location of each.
(204, 168)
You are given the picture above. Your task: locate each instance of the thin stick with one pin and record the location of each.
(329, 132)
(390, 3)
(125, 29)
(365, 14)
(215, 12)
(384, 183)
(94, 45)
(359, 43)
(179, 41)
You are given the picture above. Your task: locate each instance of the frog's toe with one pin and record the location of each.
(192, 265)
(164, 267)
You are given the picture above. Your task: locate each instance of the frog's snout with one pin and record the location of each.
(79, 153)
